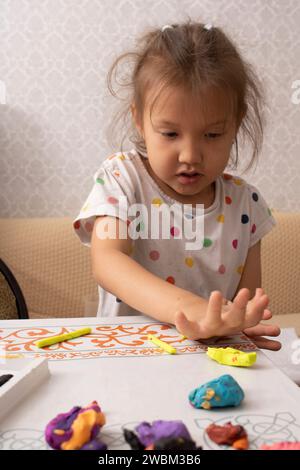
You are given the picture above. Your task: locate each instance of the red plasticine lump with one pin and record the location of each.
(228, 434)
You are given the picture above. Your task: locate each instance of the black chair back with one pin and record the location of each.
(13, 286)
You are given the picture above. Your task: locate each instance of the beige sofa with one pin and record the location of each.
(54, 270)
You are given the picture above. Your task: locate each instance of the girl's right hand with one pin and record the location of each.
(223, 319)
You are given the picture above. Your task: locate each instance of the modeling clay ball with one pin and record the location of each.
(75, 429)
(232, 357)
(149, 433)
(221, 392)
(177, 443)
(232, 435)
(160, 435)
(281, 446)
(94, 445)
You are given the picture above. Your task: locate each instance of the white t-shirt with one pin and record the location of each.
(238, 218)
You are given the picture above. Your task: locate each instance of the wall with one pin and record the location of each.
(54, 55)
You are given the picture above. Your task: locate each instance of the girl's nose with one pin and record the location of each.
(191, 154)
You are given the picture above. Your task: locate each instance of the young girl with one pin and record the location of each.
(191, 96)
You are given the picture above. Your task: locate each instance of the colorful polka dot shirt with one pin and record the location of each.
(238, 218)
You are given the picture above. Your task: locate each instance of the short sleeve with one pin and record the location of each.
(261, 218)
(111, 195)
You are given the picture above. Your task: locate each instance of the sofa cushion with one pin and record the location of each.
(281, 263)
(52, 267)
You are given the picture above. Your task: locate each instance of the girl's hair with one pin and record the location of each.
(193, 56)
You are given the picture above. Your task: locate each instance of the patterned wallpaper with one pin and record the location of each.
(54, 55)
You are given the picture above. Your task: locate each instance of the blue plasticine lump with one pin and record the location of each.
(218, 393)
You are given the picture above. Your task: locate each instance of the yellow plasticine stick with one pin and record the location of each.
(58, 339)
(161, 344)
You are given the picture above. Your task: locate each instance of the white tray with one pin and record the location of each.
(27, 374)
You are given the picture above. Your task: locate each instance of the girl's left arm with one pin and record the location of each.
(251, 275)
(251, 279)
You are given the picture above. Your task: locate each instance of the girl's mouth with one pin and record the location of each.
(185, 178)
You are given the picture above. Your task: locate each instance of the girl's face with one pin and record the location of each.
(183, 136)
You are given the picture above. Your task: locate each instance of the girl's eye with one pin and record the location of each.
(170, 135)
(212, 135)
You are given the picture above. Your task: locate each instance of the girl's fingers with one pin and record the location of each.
(214, 309)
(262, 330)
(259, 292)
(255, 311)
(265, 343)
(188, 328)
(267, 314)
(242, 298)
(235, 317)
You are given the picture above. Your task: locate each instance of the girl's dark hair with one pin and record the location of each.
(192, 56)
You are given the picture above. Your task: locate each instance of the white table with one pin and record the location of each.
(133, 381)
